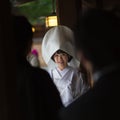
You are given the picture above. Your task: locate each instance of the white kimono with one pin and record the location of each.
(68, 83)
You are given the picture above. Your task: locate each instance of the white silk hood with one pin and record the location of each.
(59, 37)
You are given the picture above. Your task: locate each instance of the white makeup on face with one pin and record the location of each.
(61, 60)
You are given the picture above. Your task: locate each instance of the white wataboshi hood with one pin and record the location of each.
(59, 37)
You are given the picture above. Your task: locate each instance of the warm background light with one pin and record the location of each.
(33, 29)
(51, 21)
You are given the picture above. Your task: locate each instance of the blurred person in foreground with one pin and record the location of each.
(97, 42)
(38, 98)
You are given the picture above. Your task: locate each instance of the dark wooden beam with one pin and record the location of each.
(67, 12)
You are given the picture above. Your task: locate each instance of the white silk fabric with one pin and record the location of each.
(59, 37)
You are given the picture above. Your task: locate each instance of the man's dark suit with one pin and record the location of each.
(99, 103)
(38, 98)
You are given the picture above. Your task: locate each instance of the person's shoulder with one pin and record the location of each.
(40, 71)
(73, 69)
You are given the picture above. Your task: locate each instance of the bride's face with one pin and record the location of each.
(61, 59)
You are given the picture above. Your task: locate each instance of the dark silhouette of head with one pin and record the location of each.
(98, 36)
(22, 31)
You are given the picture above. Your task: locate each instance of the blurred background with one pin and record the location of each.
(67, 12)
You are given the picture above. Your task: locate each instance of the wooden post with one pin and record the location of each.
(67, 12)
